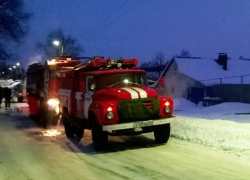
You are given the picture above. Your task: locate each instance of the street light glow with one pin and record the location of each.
(18, 64)
(56, 42)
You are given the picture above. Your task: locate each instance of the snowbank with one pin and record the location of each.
(216, 126)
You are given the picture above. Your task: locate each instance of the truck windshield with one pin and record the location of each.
(121, 80)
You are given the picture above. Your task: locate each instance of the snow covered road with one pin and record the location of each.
(26, 154)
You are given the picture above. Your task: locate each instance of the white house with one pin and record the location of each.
(197, 78)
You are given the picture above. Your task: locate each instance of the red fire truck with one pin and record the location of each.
(43, 83)
(112, 97)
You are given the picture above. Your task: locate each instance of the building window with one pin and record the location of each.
(175, 70)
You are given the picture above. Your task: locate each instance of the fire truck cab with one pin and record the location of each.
(112, 97)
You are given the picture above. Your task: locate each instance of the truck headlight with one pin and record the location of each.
(167, 110)
(110, 115)
(53, 105)
(53, 102)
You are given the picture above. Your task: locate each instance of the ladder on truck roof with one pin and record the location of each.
(98, 63)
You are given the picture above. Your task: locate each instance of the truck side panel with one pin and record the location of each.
(65, 100)
(79, 105)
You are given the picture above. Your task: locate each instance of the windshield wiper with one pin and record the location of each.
(134, 83)
(114, 84)
(131, 83)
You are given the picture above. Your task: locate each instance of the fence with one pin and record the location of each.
(244, 79)
(229, 89)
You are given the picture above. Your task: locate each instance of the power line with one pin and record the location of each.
(110, 16)
(123, 13)
(119, 9)
(113, 13)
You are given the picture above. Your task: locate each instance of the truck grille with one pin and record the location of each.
(148, 104)
(138, 109)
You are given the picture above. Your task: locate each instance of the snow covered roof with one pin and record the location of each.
(208, 71)
(9, 83)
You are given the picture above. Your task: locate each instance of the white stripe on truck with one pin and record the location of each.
(143, 94)
(133, 93)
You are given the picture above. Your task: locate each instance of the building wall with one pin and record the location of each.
(177, 85)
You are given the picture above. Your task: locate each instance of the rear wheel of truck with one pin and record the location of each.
(20, 99)
(43, 114)
(52, 118)
(79, 132)
(99, 137)
(43, 118)
(68, 128)
(162, 133)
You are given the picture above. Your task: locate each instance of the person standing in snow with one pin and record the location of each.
(7, 97)
(1, 95)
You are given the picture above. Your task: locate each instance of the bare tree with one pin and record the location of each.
(185, 53)
(13, 25)
(158, 62)
(155, 67)
(67, 45)
(2, 67)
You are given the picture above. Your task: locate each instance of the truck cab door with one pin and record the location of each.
(88, 95)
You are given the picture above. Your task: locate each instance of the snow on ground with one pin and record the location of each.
(234, 111)
(225, 126)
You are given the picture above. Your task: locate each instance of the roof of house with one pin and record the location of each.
(9, 83)
(209, 72)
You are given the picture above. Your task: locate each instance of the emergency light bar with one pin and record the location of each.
(101, 63)
(110, 63)
(133, 61)
(98, 62)
(61, 59)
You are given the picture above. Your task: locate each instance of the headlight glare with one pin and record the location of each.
(167, 103)
(109, 109)
(53, 102)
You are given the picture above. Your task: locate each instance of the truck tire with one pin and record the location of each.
(43, 118)
(20, 99)
(79, 132)
(43, 114)
(162, 133)
(52, 119)
(68, 128)
(99, 137)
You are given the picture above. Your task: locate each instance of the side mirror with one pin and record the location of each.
(92, 87)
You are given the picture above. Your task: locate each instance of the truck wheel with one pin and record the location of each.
(99, 137)
(52, 118)
(79, 132)
(68, 128)
(43, 118)
(20, 99)
(162, 133)
(43, 114)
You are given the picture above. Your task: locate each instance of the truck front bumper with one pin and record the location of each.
(137, 124)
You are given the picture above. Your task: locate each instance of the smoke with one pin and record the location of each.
(35, 59)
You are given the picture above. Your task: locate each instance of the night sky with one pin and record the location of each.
(142, 28)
